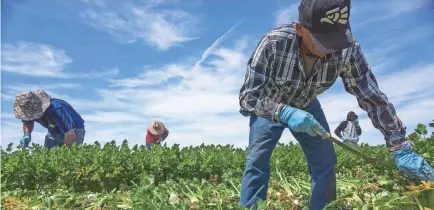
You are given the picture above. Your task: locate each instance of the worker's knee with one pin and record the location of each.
(325, 167)
(259, 156)
(324, 161)
(329, 158)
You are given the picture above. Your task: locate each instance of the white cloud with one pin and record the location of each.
(94, 74)
(364, 13)
(111, 117)
(11, 90)
(409, 84)
(34, 59)
(287, 14)
(100, 3)
(151, 76)
(379, 57)
(41, 60)
(129, 22)
(19, 87)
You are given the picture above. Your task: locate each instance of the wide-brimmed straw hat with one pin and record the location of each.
(31, 105)
(156, 127)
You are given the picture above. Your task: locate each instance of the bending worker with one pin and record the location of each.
(64, 124)
(155, 134)
(293, 64)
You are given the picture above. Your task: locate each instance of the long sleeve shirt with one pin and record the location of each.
(275, 77)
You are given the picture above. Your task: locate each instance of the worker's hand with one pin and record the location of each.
(159, 140)
(25, 141)
(356, 122)
(301, 121)
(344, 139)
(413, 164)
(70, 137)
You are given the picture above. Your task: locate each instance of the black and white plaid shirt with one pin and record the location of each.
(275, 77)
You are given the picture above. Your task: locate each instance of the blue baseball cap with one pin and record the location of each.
(328, 22)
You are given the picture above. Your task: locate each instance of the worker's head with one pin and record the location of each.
(31, 105)
(351, 116)
(324, 25)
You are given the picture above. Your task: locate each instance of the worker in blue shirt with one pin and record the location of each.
(64, 124)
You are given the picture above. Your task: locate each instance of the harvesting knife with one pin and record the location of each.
(349, 148)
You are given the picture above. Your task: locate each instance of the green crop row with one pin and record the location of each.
(283, 193)
(103, 168)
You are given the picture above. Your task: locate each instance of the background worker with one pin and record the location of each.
(349, 130)
(155, 134)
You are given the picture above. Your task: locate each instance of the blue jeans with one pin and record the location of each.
(320, 155)
(56, 139)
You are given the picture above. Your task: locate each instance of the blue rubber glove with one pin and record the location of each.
(413, 164)
(344, 139)
(356, 122)
(301, 121)
(25, 141)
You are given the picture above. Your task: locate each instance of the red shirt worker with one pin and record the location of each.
(155, 134)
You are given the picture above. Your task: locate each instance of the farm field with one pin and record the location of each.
(205, 177)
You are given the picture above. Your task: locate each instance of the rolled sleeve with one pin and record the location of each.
(63, 120)
(359, 81)
(253, 97)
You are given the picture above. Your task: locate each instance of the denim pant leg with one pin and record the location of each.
(321, 160)
(80, 133)
(148, 146)
(263, 137)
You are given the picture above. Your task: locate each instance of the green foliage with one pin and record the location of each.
(204, 177)
(421, 130)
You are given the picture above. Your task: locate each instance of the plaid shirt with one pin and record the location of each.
(275, 77)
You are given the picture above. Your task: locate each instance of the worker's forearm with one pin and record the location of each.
(28, 127)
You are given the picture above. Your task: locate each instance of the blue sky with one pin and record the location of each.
(122, 65)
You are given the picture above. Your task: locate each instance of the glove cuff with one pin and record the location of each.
(286, 113)
(276, 115)
(27, 134)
